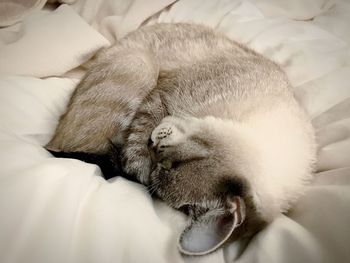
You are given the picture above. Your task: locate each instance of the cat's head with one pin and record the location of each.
(207, 169)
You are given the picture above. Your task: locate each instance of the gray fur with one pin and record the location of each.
(233, 125)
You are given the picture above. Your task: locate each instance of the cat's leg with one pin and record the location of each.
(104, 103)
(136, 157)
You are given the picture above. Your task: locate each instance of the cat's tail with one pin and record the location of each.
(109, 163)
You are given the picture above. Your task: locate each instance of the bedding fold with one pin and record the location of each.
(62, 210)
(49, 44)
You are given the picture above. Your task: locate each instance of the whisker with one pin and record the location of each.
(153, 187)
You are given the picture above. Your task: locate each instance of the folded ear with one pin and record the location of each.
(208, 232)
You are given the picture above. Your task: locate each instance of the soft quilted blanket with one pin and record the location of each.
(62, 210)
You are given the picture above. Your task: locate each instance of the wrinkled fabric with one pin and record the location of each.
(14, 11)
(62, 210)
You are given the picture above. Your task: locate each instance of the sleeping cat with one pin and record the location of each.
(211, 126)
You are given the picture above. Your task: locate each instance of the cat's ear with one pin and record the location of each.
(208, 232)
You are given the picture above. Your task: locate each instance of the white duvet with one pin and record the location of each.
(62, 210)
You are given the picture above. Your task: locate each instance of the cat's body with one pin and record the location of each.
(234, 130)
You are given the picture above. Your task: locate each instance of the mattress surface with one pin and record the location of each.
(62, 210)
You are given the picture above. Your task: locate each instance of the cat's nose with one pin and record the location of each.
(153, 146)
(150, 142)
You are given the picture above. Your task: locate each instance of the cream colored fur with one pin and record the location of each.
(274, 150)
(201, 118)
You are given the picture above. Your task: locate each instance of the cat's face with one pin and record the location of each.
(199, 170)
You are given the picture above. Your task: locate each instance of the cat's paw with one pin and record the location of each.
(165, 137)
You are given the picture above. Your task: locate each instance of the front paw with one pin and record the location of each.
(166, 135)
(166, 138)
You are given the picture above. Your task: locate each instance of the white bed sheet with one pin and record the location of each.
(61, 210)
